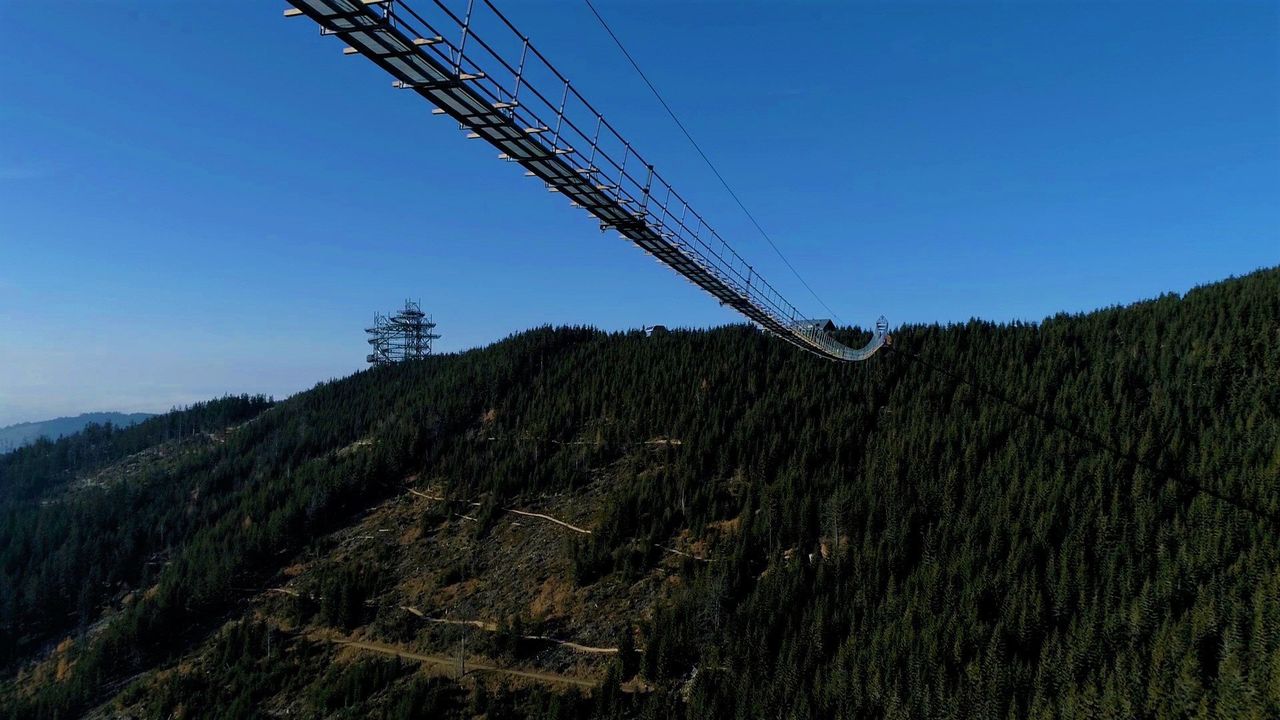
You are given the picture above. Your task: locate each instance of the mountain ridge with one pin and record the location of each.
(883, 540)
(24, 433)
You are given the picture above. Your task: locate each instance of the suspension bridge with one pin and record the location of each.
(502, 90)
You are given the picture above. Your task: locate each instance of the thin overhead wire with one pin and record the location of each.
(706, 159)
(1098, 441)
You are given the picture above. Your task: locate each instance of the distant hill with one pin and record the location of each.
(15, 436)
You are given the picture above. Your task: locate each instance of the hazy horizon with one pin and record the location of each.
(286, 390)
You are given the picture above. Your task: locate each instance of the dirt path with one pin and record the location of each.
(446, 661)
(574, 528)
(574, 645)
(493, 627)
(673, 551)
(525, 513)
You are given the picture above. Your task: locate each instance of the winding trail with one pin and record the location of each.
(493, 627)
(574, 528)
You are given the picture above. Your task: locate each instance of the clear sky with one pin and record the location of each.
(200, 198)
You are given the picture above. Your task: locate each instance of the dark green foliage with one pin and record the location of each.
(348, 686)
(62, 557)
(508, 642)
(251, 661)
(29, 472)
(342, 597)
(628, 658)
(427, 698)
(967, 562)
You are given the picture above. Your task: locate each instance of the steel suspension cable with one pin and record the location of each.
(705, 158)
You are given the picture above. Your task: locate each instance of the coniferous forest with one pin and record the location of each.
(884, 540)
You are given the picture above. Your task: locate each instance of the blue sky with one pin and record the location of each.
(199, 198)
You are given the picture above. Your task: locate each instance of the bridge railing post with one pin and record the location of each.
(648, 183)
(524, 54)
(595, 143)
(622, 173)
(555, 141)
(665, 202)
(388, 16)
(462, 46)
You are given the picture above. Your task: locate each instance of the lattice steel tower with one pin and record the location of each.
(406, 335)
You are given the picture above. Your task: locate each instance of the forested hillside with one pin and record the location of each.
(763, 533)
